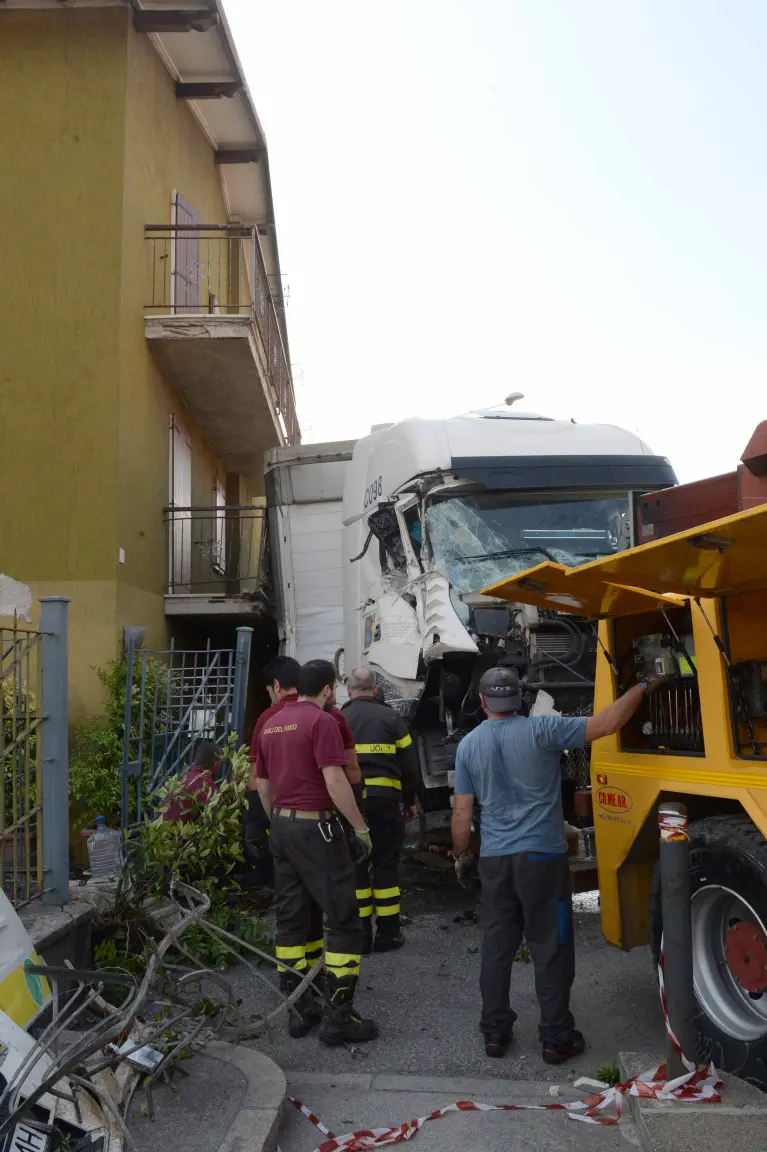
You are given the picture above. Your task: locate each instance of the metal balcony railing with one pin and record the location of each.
(218, 269)
(218, 549)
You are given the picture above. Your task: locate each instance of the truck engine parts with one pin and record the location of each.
(670, 717)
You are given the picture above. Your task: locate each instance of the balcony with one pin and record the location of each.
(212, 326)
(216, 560)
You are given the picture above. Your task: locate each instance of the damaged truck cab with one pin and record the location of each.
(381, 549)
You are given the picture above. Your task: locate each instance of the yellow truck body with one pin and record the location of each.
(693, 606)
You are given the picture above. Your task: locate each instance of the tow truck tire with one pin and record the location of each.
(728, 886)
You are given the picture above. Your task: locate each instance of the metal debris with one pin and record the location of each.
(81, 1073)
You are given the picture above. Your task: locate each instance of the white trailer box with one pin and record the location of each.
(305, 488)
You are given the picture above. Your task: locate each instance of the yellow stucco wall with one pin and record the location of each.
(62, 81)
(95, 149)
(165, 149)
(62, 88)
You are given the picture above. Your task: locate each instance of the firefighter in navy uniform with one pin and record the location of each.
(300, 776)
(389, 768)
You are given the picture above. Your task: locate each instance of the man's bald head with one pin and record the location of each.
(362, 682)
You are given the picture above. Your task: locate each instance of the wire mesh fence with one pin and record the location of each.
(175, 699)
(21, 831)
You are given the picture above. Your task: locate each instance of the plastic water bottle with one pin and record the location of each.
(104, 851)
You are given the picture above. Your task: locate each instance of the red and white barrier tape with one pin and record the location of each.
(699, 1082)
(672, 825)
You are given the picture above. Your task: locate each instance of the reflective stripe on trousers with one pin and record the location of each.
(365, 901)
(342, 964)
(312, 877)
(386, 901)
(294, 956)
(387, 829)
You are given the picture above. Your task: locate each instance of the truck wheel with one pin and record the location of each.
(728, 882)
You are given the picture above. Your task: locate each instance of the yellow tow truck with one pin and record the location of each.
(693, 607)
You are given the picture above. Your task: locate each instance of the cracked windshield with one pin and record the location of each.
(482, 537)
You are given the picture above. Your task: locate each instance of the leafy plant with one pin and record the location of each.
(18, 711)
(97, 750)
(204, 851)
(109, 956)
(212, 950)
(609, 1074)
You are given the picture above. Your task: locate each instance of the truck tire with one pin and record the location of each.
(728, 884)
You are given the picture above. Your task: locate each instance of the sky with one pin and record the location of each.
(565, 198)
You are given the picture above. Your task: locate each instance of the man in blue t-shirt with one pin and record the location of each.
(511, 765)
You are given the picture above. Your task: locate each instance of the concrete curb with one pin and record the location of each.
(256, 1124)
(488, 1088)
(739, 1121)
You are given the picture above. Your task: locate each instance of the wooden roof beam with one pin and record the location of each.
(213, 90)
(174, 20)
(239, 155)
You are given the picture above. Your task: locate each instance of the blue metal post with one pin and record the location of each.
(133, 638)
(241, 670)
(55, 747)
(127, 765)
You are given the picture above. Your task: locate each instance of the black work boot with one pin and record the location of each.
(367, 928)
(497, 1044)
(386, 942)
(340, 1023)
(304, 1012)
(388, 935)
(317, 993)
(557, 1053)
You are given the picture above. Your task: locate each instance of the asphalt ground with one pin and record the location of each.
(425, 998)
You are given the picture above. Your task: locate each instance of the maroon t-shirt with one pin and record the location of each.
(198, 787)
(264, 719)
(268, 713)
(293, 748)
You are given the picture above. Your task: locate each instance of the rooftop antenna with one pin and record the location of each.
(513, 397)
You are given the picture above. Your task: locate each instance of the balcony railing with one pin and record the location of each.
(218, 269)
(218, 550)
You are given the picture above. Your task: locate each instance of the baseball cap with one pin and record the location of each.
(500, 687)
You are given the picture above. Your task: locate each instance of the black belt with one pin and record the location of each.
(296, 814)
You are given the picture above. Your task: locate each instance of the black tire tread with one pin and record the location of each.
(740, 831)
(741, 838)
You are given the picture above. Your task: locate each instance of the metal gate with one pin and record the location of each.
(34, 786)
(174, 699)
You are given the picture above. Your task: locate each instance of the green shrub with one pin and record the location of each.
(96, 758)
(212, 950)
(204, 851)
(16, 716)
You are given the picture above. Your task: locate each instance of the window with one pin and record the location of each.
(180, 483)
(219, 550)
(478, 538)
(187, 270)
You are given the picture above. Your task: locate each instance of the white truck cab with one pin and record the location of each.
(380, 547)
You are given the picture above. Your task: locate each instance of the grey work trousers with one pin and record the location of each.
(527, 894)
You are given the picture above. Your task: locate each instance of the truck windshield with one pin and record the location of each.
(479, 538)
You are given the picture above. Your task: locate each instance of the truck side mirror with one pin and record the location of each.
(384, 526)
